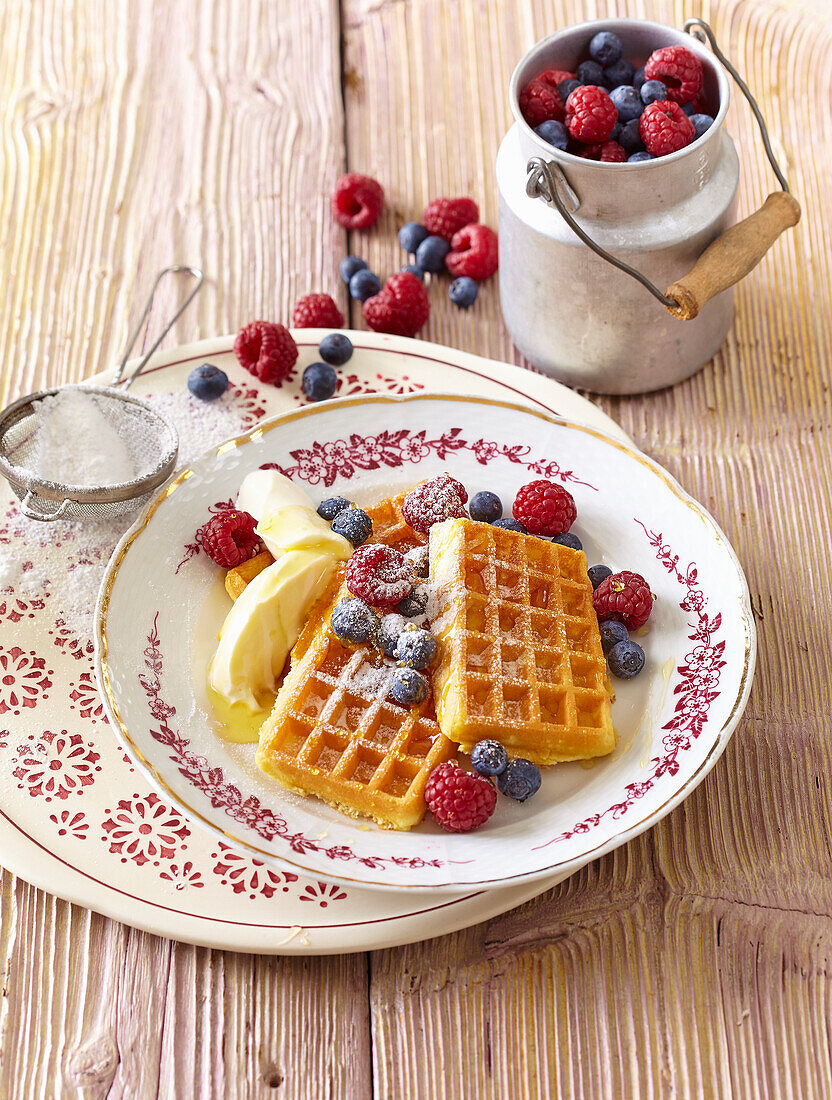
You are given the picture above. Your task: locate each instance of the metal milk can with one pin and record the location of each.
(586, 247)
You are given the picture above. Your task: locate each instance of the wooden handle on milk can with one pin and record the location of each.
(733, 255)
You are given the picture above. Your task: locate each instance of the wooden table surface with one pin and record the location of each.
(697, 960)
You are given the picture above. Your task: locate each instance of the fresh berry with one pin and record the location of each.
(679, 69)
(590, 114)
(444, 217)
(627, 102)
(408, 687)
(653, 91)
(587, 152)
(544, 508)
(463, 292)
(553, 132)
(626, 659)
(689, 109)
(700, 124)
(402, 307)
(433, 501)
(431, 253)
(612, 632)
(598, 573)
(616, 131)
(207, 382)
(620, 72)
(612, 153)
(419, 559)
(411, 236)
(625, 596)
(353, 621)
(590, 72)
(378, 574)
(664, 128)
(568, 539)
(415, 603)
(474, 252)
(416, 647)
(520, 780)
(335, 349)
(266, 350)
(319, 381)
(630, 138)
(388, 633)
(639, 79)
(414, 269)
(642, 154)
(539, 102)
(328, 509)
(605, 47)
(554, 78)
(460, 801)
(489, 758)
(354, 525)
(364, 284)
(357, 201)
(485, 506)
(567, 87)
(316, 311)
(229, 538)
(349, 266)
(508, 524)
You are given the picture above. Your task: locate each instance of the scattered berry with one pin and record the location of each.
(378, 574)
(630, 138)
(636, 158)
(612, 632)
(553, 132)
(354, 525)
(416, 647)
(229, 538)
(590, 72)
(474, 252)
(653, 91)
(349, 266)
(485, 506)
(414, 269)
(590, 114)
(431, 253)
(700, 124)
(612, 153)
(316, 311)
(539, 102)
(664, 128)
(328, 509)
(364, 284)
(460, 801)
(679, 69)
(489, 758)
(567, 87)
(605, 47)
(620, 72)
(266, 350)
(207, 382)
(419, 559)
(319, 381)
(433, 501)
(625, 596)
(520, 780)
(353, 621)
(627, 102)
(402, 307)
(511, 525)
(444, 217)
(357, 201)
(545, 508)
(408, 687)
(411, 236)
(598, 573)
(415, 603)
(388, 633)
(568, 539)
(463, 292)
(626, 659)
(335, 349)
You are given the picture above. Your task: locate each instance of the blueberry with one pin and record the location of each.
(335, 349)
(414, 269)
(688, 109)
(319, 381)
(652, 91)
(408, 686)
(349, 266)
(328, 509)
(630, 138)
(431, 253)
(415, 647)
(553, 132)
(388, 633)
(415, 602)
(612, 632)
(207, 382)
(520, 780)
(641, 155)
(627, 102)
(639, 79)
(485, 506)
(626, 659)
(701, 123)
(566, 88)
(568, 539)
(616, 132)
(489, 758)
(419, 559)
(463, 292)
(364, 284)
(605, 47)
(355, 525)
(590, 72)
(597, 574)
(354, 621)
(620, 72)
(412, 235)
(511, 525)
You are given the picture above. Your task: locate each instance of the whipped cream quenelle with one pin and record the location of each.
(267, 618)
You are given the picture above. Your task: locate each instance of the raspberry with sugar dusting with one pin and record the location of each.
(460, 801)
(266, 350)
(379, 575)
(544, 508)
(624, 597)
(229, 538)
(433, 501)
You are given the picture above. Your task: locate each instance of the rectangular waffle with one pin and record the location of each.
(520, 656)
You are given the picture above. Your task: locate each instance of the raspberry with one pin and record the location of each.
(588, 152)
(613, 153)
(266, 350)
(664, 128)
(540, 102)
(460, 801)
(679, 70)
(624, 597)
(401, 307)
(544, 508)
(590, 114)
(553, 77)
(444, 217)
(474, 252)
(379, 575)
(442, 497)
(229, 538)
(317, 311)
(357, 201)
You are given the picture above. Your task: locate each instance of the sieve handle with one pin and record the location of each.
(27, 508)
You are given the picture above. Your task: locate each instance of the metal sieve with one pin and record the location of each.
(151, 441)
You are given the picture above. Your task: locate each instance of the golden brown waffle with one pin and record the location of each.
(520, 656)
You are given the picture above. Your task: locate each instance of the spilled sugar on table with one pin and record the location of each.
(693, 961)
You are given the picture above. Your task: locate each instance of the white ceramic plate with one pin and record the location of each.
(156, 620)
